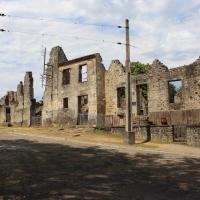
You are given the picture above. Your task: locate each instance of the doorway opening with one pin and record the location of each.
(83, 110)
(8, 116)
(142, 99)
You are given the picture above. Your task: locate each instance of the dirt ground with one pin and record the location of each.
(97, 137)
(83, 134)
(34, 167)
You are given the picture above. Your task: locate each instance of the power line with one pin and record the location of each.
(67, 36)
(69, 19)
(61, 20)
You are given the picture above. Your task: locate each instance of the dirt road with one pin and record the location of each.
(34, 167)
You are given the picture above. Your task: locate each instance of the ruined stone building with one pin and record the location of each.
(75, 89)
(82, 92)
(17, 108)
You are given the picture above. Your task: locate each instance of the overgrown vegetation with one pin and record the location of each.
(139, 68)
(144, 92)
(174, 87)
(172, 92)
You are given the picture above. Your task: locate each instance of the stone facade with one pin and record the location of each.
(17, 108)
(161, 134)
(81, 91)
(102, 88)
(117, 72)
(193, 136)
(92, 89)
(50, 97)
(157, 80)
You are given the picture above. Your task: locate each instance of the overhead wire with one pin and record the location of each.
(62, 21)
(65, 35)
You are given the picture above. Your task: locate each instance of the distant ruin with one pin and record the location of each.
(20, 107)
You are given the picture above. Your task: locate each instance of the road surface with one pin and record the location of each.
(35, 168)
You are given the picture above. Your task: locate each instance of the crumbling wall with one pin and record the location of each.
(50, 97)
(29, 100)
(191, 89)
(21, 103)
(158, 78)
(55, 91)
(193, 135)
(115, 77)
(93, 88)
(101, 100)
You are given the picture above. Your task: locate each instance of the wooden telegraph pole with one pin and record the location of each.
(129, 137)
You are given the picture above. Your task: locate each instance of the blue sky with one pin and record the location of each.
(168, 30)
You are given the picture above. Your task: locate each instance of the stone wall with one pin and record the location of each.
(20, 103)
(161, 134)
(115, 77)
(50, 97)
(101, 99)
(55, 92)
(101, 88)
(193, 135)
(141, 133)
(102, 85)
(75, 89)
(158, 77)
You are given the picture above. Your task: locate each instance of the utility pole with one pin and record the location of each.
(129, 137)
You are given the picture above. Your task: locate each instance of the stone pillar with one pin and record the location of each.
(28, 96)
(20, 104)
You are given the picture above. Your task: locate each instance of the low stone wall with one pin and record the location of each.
(162, 134)
(193, 135)
(117, 130)
(141, 133)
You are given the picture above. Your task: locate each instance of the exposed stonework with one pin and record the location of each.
(193, 136)
(93, 88)
(102, 85)
(157, 80)
(80, 91)
(50, 97)
(115, 78)
(18, 108)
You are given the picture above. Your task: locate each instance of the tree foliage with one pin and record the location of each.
(144, 92)
(139, 68)
(172, 92)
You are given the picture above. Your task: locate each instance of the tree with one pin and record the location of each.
(172, 92)
(139, 68)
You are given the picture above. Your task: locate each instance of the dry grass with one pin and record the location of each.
(79, 134)
(83, 134)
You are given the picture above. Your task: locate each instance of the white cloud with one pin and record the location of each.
(168, 30)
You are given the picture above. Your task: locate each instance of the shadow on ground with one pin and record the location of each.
(34, 171)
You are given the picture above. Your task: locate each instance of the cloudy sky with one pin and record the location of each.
(168, 30)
